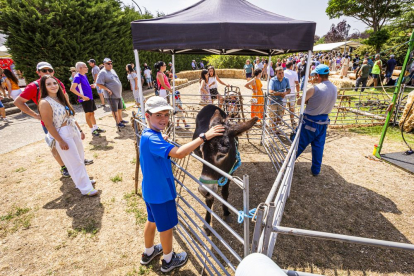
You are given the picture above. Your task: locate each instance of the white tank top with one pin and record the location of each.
(211, 80)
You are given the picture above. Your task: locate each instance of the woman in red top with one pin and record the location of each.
(164, 86)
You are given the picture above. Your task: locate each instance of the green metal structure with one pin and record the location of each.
(395, 96)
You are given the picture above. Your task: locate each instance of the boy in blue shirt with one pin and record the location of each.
(158, 189)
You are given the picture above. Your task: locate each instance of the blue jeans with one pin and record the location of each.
(302, 82)
(314, 134)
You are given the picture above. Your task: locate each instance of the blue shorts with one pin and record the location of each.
(148, 80)
(248, 75)
(388, 74)
(1, 105)
(164, 215)
(100, 91)
(375, 76)
(45, 129)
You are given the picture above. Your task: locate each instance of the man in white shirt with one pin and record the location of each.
(147, 75)
(258, 64)
(292, 76)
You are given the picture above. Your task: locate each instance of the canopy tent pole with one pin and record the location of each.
(265, 96)
(173, 93)
(140, 94)
(302, 105)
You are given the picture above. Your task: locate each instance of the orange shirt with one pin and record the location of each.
(14, 86)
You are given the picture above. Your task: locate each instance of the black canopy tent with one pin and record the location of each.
(223, 27)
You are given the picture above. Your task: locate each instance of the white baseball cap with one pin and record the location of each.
(43, 64)
(156, 104)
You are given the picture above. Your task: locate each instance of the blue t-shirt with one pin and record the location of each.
(391, 65)
(83, 86)
(278, 86)
(248, 68)
(158, 180)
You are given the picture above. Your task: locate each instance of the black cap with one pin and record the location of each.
(92, 60)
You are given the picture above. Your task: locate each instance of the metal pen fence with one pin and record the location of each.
(216, 258)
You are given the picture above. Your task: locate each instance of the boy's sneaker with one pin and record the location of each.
(121, 125)
(177, 260)
(95, 133)
(145, 259)
(124, 122)
(187, 126)
(100, 130)
(64, 172)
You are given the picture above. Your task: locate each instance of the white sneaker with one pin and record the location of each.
(7, 120)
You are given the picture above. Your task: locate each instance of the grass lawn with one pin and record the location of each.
(393, 133)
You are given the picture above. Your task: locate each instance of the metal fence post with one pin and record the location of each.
(257, 228)
(246, 212)
(268, 228)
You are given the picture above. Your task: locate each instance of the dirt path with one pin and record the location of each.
(48, 228)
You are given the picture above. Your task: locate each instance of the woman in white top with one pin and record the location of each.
(133, 80)
(345, 66)
(58, 116)
(204, 88)
(212, 84)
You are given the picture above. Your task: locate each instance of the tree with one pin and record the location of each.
(373, 13)
(316, 38)
(338, 33)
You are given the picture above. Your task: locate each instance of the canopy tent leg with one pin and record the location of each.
(173, 94)
(265, 96)
(308, 66)
(140, 94)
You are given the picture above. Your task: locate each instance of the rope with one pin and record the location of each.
(242, 215)
(223, 180)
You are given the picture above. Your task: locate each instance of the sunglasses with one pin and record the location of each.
(46, 70)
(108, 63)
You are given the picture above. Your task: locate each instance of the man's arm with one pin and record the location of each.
(297, 87)
(21, 104)
(74, 91)
(309, 94)
(101, 86)
(184, 150)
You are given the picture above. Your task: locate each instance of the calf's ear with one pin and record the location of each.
(216, 119)
(239, 128)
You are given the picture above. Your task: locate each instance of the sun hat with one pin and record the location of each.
(177, 93)
(321, 69)
(156, 104)
(106, 60)
(43, 64)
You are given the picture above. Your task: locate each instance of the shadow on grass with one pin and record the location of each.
(86, 212)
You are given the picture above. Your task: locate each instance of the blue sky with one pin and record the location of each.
(297, 9)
